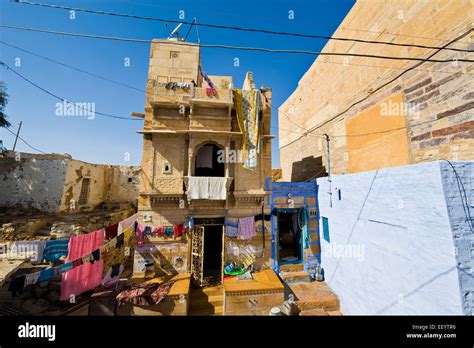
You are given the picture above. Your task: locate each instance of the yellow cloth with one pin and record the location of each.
(247, 110)
(112, 256)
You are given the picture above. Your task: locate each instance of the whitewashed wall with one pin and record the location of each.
(391, 247)
(35, 181)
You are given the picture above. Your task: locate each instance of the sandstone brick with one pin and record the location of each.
(466, 126)
(456, 110)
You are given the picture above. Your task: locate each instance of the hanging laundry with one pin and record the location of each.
(217, 188)
(140, 229)
(31, 278)
(124, 224)
(202, 187)
(27, 246)
(66, 267)
(169, 230)
(204, 157)
(111, 232)
(95, 256)
(212, 86)
(77, 262)
(145, 294)
(198, 187)
(246, 228)
(119, 255)
(231, 227)
(87, 276)
(17, 285)
(247, 110)
(113, 275)
(55, 249)
(179, 230)
(47, 274)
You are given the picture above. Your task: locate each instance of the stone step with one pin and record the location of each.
(292, 268)
(295, 277)
(314, 295)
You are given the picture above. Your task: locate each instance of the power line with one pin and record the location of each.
(464, 197)
(25, 142)
(242, 48)
(215, 26)
(72, 67)
(377, 89)
(6, 66)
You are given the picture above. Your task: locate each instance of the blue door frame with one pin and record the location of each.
(305, 190)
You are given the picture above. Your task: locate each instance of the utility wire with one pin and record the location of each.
(377, 89)
(6, 66)
(215, 26)
(242, 48)
(72, 67)
(464, 197)
(26, 143)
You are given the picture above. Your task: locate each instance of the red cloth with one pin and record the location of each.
(111, 232)
(179, 230)
(87, 276)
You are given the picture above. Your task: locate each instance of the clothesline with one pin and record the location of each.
(116, 237)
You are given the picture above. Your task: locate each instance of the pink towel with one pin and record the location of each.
(87, 276)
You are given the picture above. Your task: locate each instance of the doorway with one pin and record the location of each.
(207, 254)
(289, 238)
(213, 248)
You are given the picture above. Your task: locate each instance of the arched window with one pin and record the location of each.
(206, 162)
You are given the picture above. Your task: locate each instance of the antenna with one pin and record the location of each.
(175, 32)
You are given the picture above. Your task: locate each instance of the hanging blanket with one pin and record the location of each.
(145, 294)
(55, 249)
(247, 109)
(87, 276)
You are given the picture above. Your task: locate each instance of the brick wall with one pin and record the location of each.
(437, 98)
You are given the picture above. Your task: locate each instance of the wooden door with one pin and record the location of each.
(197, 255)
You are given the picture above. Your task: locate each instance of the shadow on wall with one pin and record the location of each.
(308, 168)
(32, 182)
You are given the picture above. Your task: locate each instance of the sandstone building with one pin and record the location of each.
(186, 124)
(384, 113)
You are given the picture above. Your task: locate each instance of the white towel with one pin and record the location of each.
(198, 187)
(203, 187)
(217, 188)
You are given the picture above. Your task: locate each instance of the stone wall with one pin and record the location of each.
(382, 113)
(390, 247)
(32, 181)
(52, 183)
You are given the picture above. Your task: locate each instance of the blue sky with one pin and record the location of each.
(106, 140)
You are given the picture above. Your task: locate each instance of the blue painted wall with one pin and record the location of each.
(458, 185)
(391, 248)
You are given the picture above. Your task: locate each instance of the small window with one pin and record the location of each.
(326, 229)
(130, 179)
(313, 212)
(174, 54)
(84, 196)
(166, 168)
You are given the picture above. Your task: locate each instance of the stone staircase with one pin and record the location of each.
(294, 274)
(206, 301)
